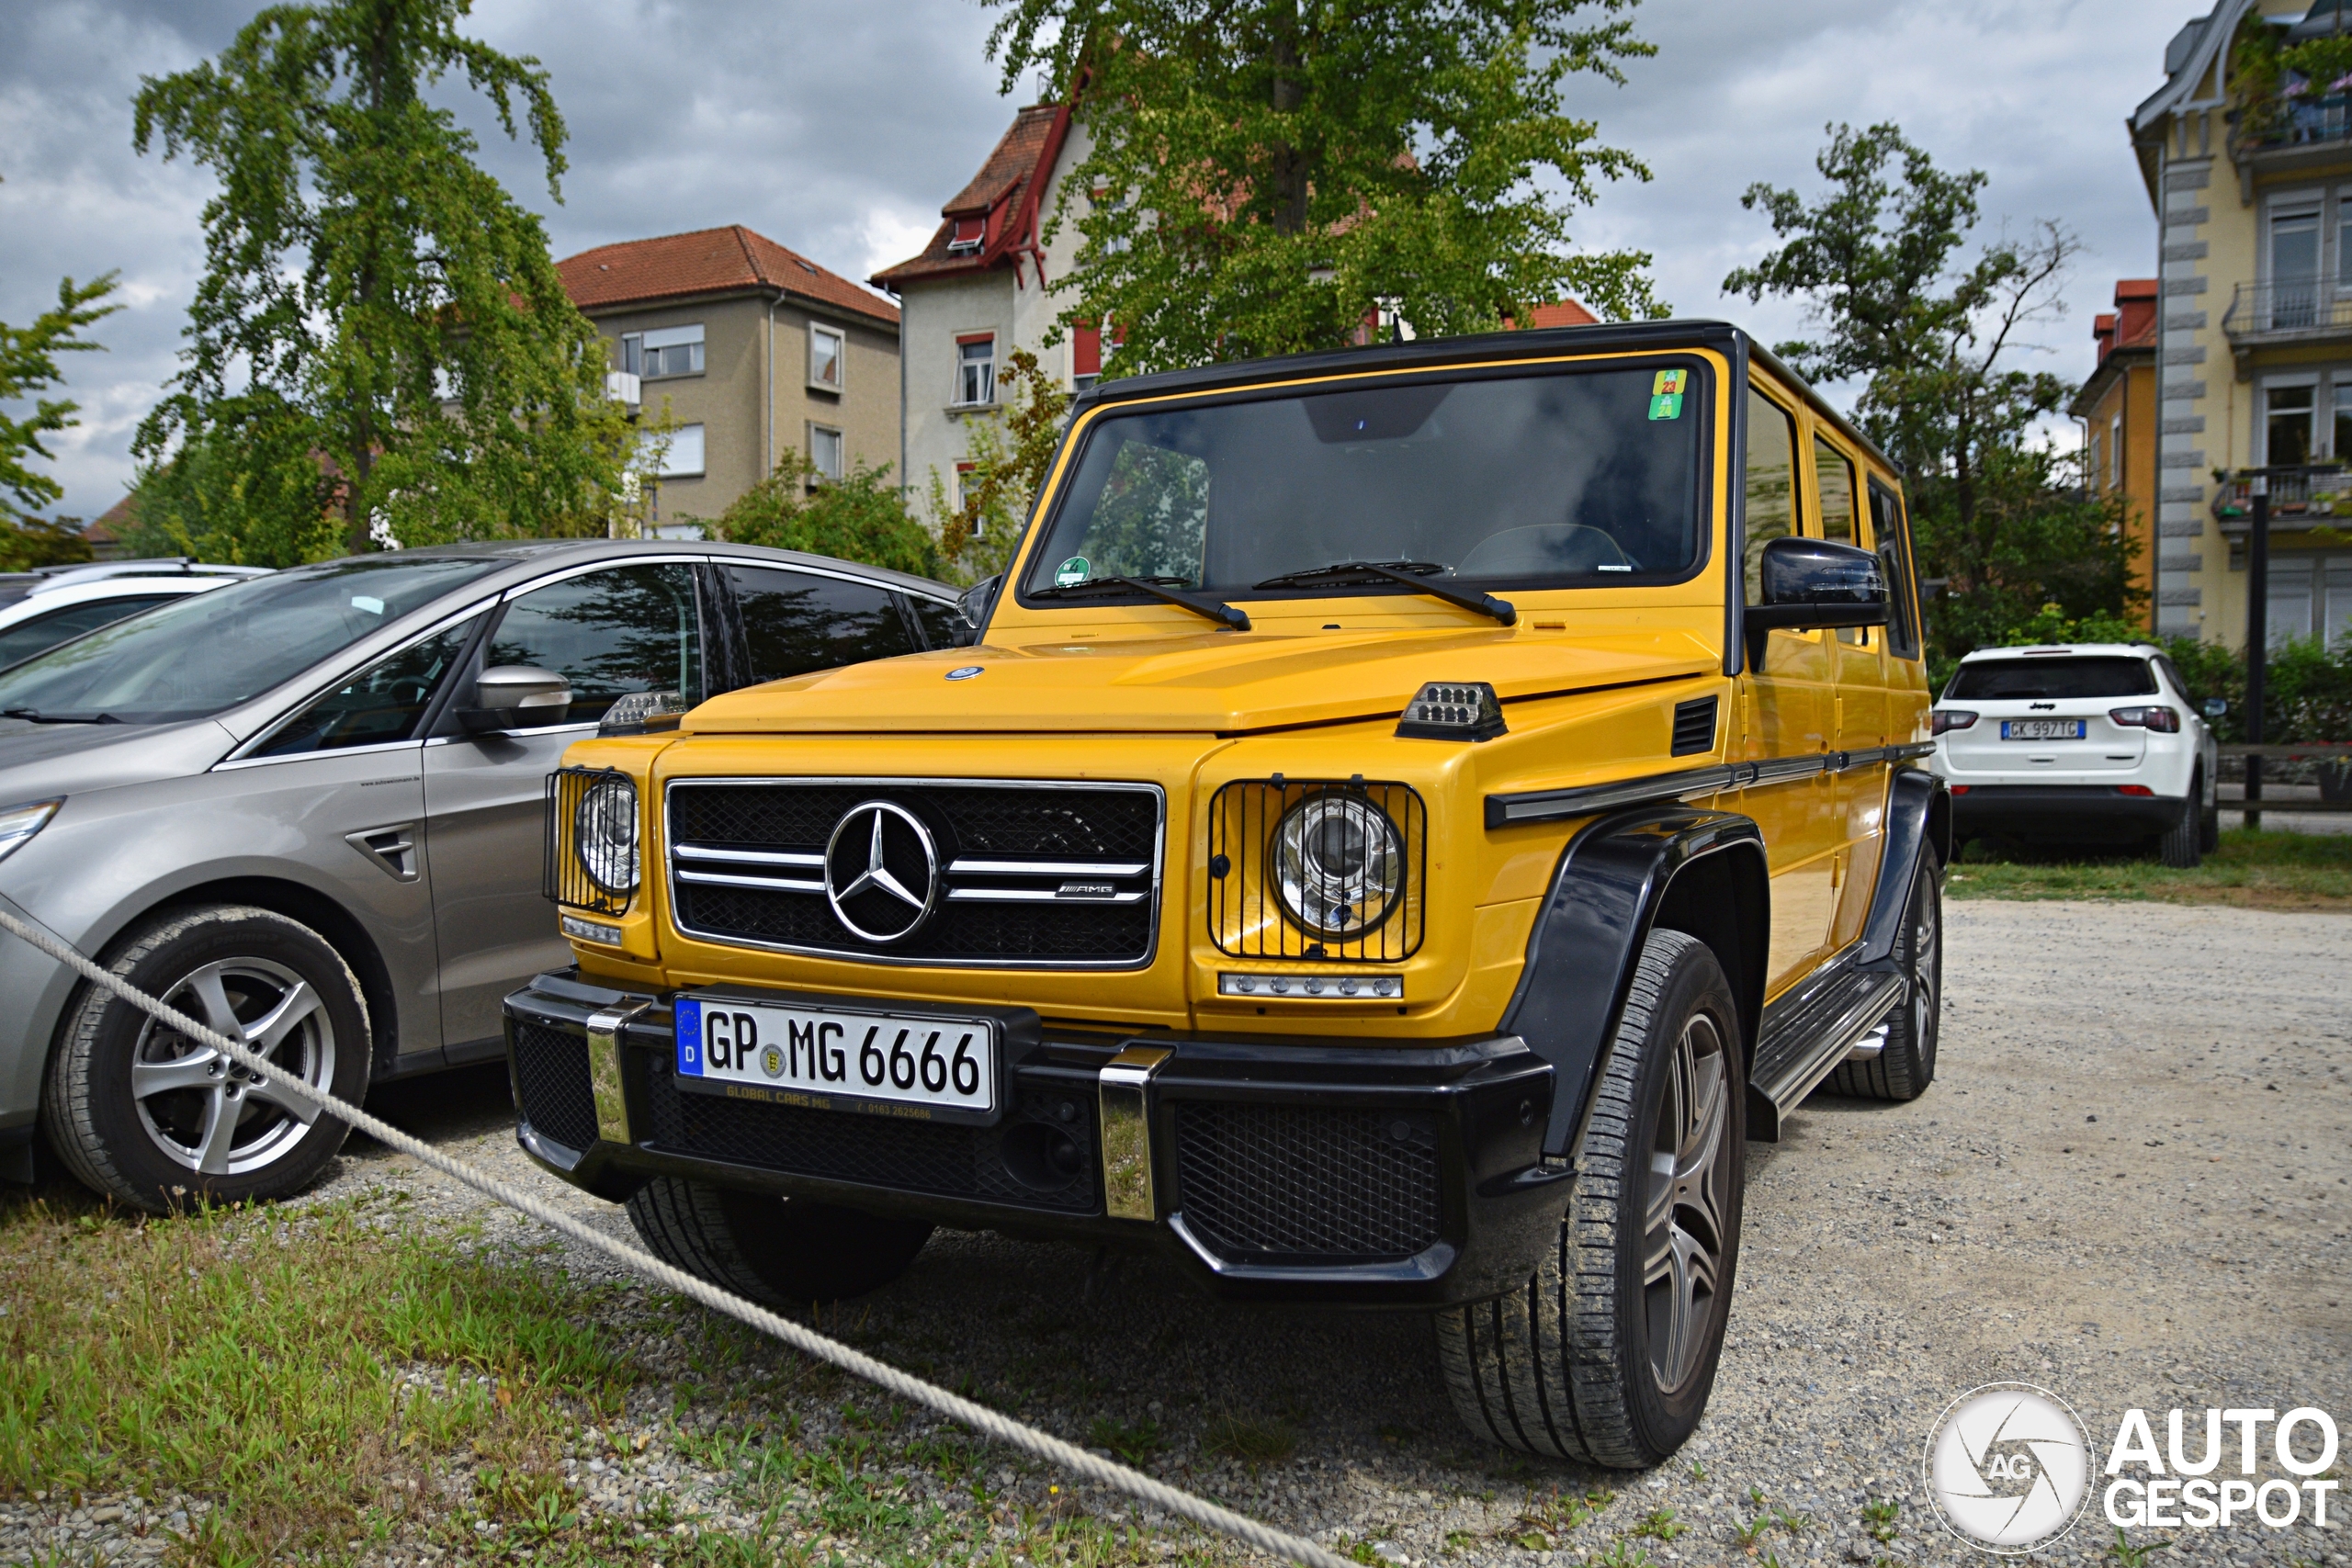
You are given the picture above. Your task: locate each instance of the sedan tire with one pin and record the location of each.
(153, 1119)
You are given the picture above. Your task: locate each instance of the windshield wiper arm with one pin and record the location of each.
(34, 716)
(1411, 573)
(1154, 587)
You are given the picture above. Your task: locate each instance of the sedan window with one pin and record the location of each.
(39, 634)
(796, 620)
(385, 704)
(631, 628)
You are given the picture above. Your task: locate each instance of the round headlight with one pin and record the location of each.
(603, 835)
(1339, 864)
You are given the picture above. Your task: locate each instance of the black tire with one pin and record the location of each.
(1568, 1366)
(2182, 845)
(136, 1111)
(1905, 1064)
(2209, 818)
(784, 1253)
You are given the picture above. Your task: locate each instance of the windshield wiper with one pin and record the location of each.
(1413, 575)
(1154, 587)
(34, 716)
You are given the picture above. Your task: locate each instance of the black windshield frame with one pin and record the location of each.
(1703, 396)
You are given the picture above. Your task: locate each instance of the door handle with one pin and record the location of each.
(392, 847)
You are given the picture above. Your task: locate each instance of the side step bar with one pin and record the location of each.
(1805, 1038)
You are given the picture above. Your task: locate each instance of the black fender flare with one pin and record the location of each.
(1918, 819)
(1613, 879)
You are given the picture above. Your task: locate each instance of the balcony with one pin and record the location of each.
(2288, 311)
(2298, 135)
(2306, 496)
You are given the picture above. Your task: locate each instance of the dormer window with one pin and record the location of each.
(967, 236)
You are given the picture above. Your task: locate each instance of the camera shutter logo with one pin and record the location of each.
(2008, 1467)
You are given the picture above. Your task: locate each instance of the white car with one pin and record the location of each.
(59, 610)
(2096, 742)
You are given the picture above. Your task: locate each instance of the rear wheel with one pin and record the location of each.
(781, 1252)
(2208, 820)
(1607, 1354)
(1905, 1063)
(2182, 845)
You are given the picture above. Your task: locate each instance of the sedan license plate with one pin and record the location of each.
(923, 1066)
(2042, 729)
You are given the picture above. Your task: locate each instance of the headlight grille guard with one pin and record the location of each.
(1246, 915)
(563, 880)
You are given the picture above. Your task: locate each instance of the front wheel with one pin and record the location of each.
(1607, 1354)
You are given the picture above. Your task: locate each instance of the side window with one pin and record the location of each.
(796, 620)
(41, 633)
(385, 704)
(943, 624)
(1893, 538)
(633, 628)
(1833, 472)
(1771, 481)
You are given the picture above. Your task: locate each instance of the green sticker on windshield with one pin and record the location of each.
(1667, 405)
(1072, 571)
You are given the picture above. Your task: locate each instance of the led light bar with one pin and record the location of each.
(591, 931)
(1452, 710)
(1317, 988)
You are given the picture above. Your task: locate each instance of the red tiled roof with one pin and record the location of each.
(708, 261)
(1561, 313)
(113, 521)
(1004, 185)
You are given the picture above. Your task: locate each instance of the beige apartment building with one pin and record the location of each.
(2252, 182)
(750, 350)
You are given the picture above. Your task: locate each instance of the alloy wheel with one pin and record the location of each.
(1683, 1230)
(1927, 952)
(206, 1113)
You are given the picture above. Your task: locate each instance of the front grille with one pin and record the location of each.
(1248, 917)
(552, 1073)
(1268, 1182)
(1004, 1164)
(1694, 725)
(1028, 873)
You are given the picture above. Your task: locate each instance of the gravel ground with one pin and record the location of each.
(2128, 1185)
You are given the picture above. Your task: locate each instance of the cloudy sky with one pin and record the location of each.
(837, 127)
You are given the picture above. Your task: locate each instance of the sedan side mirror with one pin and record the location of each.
(977, 601)
(517, 696)
(1811, 583)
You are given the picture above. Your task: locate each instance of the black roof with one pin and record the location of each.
(1430, 353)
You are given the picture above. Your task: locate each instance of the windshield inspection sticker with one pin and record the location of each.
(1072, 571)
(1666, 394)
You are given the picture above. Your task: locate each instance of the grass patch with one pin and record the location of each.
(256, 1360)
(2252, 870)
(1252, 1440)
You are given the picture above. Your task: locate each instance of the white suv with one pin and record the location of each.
(2098, 742)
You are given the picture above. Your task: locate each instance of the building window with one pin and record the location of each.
(2097, 470)
(2294, 268)
(2115, 452)
(666, 351)
(967, 236)
(966, 474)
(827, 358)
(2286, 425)
(681, 452)
(825, 451)
(976, 369)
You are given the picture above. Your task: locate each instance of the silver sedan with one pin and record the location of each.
(308, 808)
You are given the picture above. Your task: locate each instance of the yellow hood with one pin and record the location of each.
(1210, 681)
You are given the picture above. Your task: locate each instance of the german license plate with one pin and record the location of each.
(2042, 729)
(925, 1067)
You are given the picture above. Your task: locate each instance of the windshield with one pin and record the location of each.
(1580, 477)
(1992, 680)
(211, 651)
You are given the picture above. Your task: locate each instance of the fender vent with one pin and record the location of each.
(1694, 726)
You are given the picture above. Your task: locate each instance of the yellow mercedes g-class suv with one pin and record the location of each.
(1402, 823)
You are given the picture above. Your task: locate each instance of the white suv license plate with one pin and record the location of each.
(925, 1067)
(2042, 729)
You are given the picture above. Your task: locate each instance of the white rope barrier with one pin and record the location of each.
(979, 1418)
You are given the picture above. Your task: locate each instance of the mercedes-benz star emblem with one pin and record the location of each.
(881, 871)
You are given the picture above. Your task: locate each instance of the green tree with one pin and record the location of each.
(1010, 460)
(28, 367)
(2002, 518)
(862, 517)
(379, 330)
(1269, 175)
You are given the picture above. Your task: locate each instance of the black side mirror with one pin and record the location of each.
(977, 601)
(2216, 706)
(1811, 583)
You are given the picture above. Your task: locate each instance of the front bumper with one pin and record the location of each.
(2068, 811)
(1301, 1172)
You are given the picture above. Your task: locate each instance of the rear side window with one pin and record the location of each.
(1772, 492)
(1895, 557)
(385, 704)
(1833, 472)
(43, 633)
(943, 624)
(1993, 680)
(796, 621)
(630, 628)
